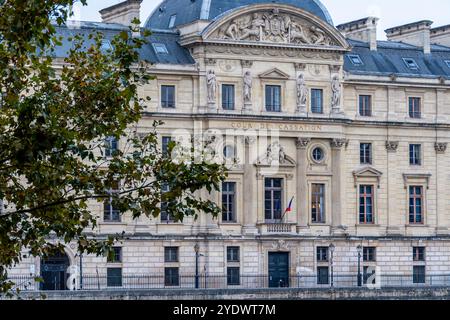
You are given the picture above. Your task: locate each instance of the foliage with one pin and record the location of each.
(53, 125)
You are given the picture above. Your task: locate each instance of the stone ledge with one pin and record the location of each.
(410, 293)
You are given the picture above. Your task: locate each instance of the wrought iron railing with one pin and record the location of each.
(310, 281)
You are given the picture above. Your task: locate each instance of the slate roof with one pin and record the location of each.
(388, 59)
(187, 11)
(176, 54)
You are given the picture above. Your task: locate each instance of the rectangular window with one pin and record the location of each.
(273, 196)
(322, 275)
(233, 276)
(111, 147)
(229, 202)
(171, 254)
(165, 145)
(368, 275)
(415, 107)
(318, 203)
(116, 256)
(411, 63)
(114, 277)
(165, 215)
(366, 204)
(228, 97)
(365, 106)
(415, 204)
(273, 98)
(233, 254)
(171, 277)
(418, 254)
(418, 274)
(110, 212)
(316, 100)
(322, 254)
(168, 96)
(369, 254)
(160, 48)
(447, 62)
(415, 154)
(365, 153)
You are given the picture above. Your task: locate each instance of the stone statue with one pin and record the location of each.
(212, 86)
(275, 152)
(248, 88)
(302, 92)
(336, 88)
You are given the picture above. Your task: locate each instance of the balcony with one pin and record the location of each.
(277, 228)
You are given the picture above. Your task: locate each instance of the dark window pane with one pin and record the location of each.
(318, 203)
(273, 201)
(111, 146)
(415, 107)
(114, 277)
(171, 277)
(228, 97)
(116, 256)
(369, 254)
(316, 100)
(233, 276)
(365, 105)
(233, 254)
(228, 202)
(168, 96)
(322, 254)
(419, 274)
(322, 275)
(171, 254)
(273, 98)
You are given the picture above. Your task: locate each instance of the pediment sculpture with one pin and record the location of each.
(276, 154)
(273, 26)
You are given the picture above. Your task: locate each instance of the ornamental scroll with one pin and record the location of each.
(273, 26)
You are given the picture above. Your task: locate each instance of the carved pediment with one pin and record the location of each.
(281, 24)
(367, 172)
(274, 74)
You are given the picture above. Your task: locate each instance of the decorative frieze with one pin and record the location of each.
(391, 146)
(440, 147)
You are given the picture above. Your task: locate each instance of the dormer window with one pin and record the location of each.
(160, 48)
(447, 62)
(355, 59)
(411, 63)
(172, 20)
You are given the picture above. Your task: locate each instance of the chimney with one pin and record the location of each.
(363, 30)
(122, 13)
(441, 35)
(416, 34)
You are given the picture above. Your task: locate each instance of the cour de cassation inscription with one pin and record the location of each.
(275, 126)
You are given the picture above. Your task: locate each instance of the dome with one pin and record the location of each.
(172, 13)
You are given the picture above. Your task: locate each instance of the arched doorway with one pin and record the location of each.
(54, 272)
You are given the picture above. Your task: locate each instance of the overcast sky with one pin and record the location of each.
(391, 12)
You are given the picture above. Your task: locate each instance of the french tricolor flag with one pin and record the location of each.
(289, 208)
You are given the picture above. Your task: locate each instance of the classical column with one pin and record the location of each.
(250, 214)
(337, 185)
(392, 184)
(302, 187)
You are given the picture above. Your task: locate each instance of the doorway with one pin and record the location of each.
(54, 272)
(278, 269)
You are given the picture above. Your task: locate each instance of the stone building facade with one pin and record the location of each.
(354, 130)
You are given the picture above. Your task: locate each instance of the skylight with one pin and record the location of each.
(173, 18)
(160, 48)
(447, 62)
(355, 59)
(411, 63)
